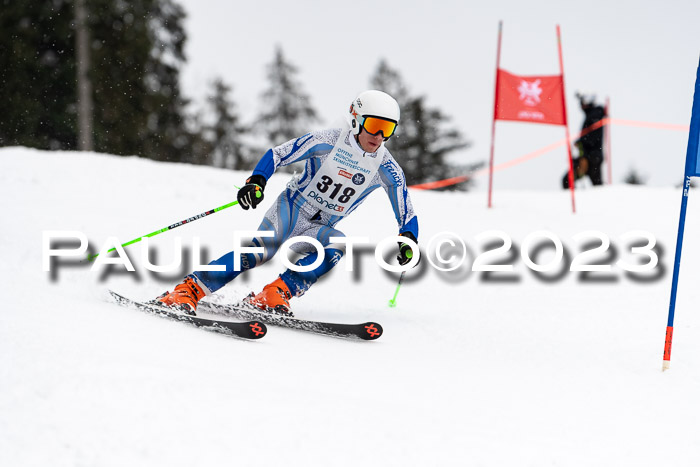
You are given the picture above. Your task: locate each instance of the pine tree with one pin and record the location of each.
(390, 81)
(136, 68)
(422, 140)
(287, 112)
(227, 134)
(136, 51)
(37, 74)
(634, 178)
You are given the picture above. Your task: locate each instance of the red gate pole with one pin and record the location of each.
(608, 145)
(495, 105)
(566, 125)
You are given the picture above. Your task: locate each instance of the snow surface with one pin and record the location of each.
(526, 371)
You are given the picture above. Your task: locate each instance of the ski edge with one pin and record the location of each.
(249, 329)
(367, 331)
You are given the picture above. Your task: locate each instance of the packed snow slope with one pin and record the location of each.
(482, 369)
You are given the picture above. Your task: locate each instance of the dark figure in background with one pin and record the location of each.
(590, 145)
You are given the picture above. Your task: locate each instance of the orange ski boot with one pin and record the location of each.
(274, 297)
(185, 296)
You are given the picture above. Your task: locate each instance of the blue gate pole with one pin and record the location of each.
(692, 169)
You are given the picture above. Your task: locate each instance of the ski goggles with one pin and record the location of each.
(373, 125)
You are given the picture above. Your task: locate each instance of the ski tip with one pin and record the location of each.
(371, 331)
(114, 296)
(257, 329)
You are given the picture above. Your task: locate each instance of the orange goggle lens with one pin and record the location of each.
(373, 125)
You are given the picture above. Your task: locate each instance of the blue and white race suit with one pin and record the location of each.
(338, 176)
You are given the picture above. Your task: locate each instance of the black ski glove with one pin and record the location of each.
(405, 251)
(252, 192)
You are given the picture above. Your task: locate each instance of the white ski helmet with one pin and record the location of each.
(373, 104)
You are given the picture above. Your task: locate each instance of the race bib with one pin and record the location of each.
(343, 177)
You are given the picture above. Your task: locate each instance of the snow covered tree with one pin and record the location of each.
(135, 54)
(422, 139)
(287, 111)
(227, 134)
(390, 81)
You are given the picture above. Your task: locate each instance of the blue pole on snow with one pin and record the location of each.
(692, 169)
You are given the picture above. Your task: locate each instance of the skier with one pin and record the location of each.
(342, 167)
(590, 145)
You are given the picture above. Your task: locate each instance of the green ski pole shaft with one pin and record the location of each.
(392, 302)
(171, 227)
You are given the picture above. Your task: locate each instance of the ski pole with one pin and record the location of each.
(392, 302)
(171, 227)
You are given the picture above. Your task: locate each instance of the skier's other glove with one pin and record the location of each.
(252, 192)
(405, 251)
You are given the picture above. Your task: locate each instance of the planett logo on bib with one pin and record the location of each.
(324, 203)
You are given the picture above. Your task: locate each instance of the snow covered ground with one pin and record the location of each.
(499, 369)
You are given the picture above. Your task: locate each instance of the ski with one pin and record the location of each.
(250, 329)
(366, 331)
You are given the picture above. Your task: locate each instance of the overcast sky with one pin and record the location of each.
(643, 55)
